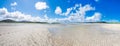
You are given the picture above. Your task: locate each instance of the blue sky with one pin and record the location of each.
(47, 10)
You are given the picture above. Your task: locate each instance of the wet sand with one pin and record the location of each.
(23, 34)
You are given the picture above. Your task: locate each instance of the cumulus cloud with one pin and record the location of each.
(58, 10)
(3, 11)
(67, 12)
(46, 18)
(17, 16)
(81, 9)
(85, 8)
(14, 4)
(41, 5)
(96, 17)
(80, 14)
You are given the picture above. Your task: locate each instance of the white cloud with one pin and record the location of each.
(96, 17)
(17, 16)
(79, 15)
(76, 5)
(81, 10)
(3, 11)
(41, 5)
(14, 4)
(58, 10)
(46, 17)
(67, 12)
(84, 9)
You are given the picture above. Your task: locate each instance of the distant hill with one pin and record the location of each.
(7, 20)
(97, 22)
(13, 21)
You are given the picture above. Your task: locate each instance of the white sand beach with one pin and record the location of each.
(23, 34)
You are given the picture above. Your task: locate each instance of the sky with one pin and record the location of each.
(60, 10)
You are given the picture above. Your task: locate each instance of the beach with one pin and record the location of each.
(35, 34)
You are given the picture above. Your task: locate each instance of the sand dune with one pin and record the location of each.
(20, 34)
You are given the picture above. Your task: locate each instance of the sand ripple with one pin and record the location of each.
(59, 35)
